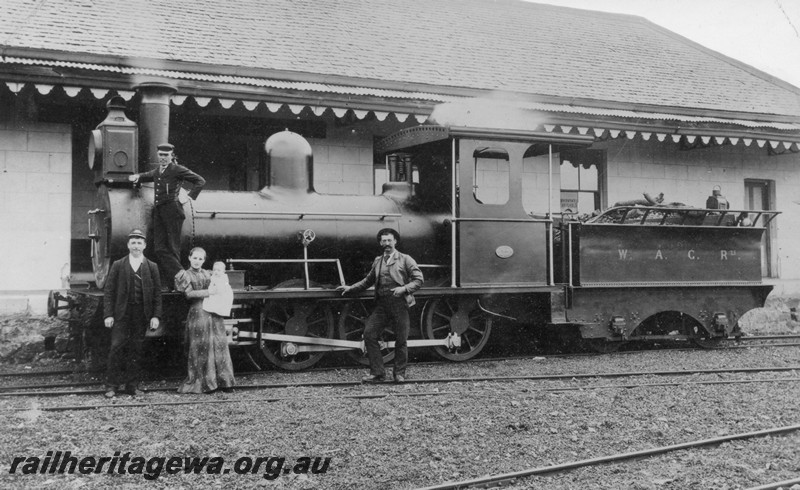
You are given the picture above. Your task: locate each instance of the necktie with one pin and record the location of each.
(378, 278)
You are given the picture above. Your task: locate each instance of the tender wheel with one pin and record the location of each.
(665, 323)
(701, 338)
(677, 323)
(287, 317)
(462, 316)
(351, 327)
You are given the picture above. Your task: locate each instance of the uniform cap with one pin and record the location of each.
(166, 147)
(137, 233)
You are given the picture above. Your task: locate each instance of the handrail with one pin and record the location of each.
(299, 214)
(506, 220)
(622, 215)
(305, 263)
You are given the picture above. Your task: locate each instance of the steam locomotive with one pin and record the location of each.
(631, 273)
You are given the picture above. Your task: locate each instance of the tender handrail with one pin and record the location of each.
(630, 215)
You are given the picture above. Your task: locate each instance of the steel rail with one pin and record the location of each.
(363, 396)
(76, 384)
(478, 359)
(383, 395)
(359, 366)
(776, 485)
(766, 337)
(354, 383)
(49, 373)
(421, 363)
(734, 347)
(542, 470)
(470, 379)
(673, 383)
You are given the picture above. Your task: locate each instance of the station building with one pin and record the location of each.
(668, 116)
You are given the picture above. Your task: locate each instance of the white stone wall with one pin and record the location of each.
(343, 163)
(536, 180)
(35, 206)
(492, 178)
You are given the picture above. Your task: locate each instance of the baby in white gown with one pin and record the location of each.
(219, 302)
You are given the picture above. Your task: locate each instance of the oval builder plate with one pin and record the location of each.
(504, 251)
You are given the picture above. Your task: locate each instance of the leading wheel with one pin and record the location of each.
(294, 317)
(462, 315)
(351, 327)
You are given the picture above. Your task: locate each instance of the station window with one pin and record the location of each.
(582, 176)
(492, 174)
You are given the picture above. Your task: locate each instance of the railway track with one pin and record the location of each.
(431, 381)
(491, 481)
(742, 343)
(368, 396)
(364, 396)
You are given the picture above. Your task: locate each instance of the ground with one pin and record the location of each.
(415, 435)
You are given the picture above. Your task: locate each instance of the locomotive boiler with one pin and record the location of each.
(632, 273)
(243, 227)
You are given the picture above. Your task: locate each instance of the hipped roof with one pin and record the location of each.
(411, 52)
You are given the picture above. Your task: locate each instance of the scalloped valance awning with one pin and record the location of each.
(747, 132)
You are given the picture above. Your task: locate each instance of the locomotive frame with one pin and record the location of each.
(484, 263)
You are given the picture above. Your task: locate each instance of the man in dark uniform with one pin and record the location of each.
(396, 277)
(132, 295)
(168, 213)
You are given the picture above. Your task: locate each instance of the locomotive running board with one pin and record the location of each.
(309, 344)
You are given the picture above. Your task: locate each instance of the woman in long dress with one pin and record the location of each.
(209, 360)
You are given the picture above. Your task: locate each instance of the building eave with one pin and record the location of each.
(319, 93)
(242, 77)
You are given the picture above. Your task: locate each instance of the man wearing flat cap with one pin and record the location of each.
(131, 305)
(168, 213)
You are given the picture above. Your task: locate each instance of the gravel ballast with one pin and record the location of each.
(451, 432)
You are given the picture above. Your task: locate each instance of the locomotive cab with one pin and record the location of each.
(494, 241)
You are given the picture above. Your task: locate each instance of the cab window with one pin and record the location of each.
(492, 173)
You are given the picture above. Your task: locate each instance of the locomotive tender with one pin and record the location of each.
(632, 273)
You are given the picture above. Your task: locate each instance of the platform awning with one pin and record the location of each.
(314, 99)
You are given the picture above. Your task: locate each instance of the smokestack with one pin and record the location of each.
(153, 119)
